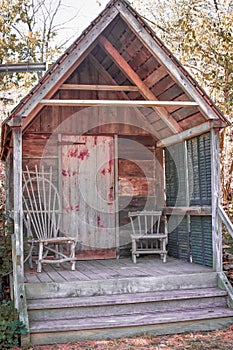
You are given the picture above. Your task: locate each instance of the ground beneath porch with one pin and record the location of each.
(221, 340)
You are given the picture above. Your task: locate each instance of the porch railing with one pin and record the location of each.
(225, 220)
(222, 279)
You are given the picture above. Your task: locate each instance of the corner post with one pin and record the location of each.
(117, 233)
(17, 239)
(216, 198)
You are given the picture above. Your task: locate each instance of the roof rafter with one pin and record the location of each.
(102, 71)
(143, 89)
(157, 48)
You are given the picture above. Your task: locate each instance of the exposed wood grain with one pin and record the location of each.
(68, 66)
(132, 320)
(63, 337)
(122, 95)
(163, 85)
(39, 148)
(163, 58)
(192, 121)
(146, 92)
(116, 191)
(88, 193)
(175, 275)
(131, 298)
(49, 118)
(17, 237)
(99, 87)
(159, 179)
(155, 76)
(138, 169)
(196, 211)
(216, 197)
(185, 135)
(89, 103)
(9, 195)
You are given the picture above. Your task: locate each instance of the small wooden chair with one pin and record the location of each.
(146, 237)
(42, 216)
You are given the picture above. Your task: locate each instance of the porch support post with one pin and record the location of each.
(216, 197)
(17, 239)
(116, 196)
(8, 183)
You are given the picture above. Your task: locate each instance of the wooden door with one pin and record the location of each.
(88, 194)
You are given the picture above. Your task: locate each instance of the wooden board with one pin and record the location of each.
(88, 193)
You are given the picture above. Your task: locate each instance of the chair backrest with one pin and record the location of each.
(145, 222)
(41, 204)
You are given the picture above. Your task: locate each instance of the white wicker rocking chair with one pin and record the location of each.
(42, 216)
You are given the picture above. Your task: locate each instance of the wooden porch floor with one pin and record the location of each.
(113, 269)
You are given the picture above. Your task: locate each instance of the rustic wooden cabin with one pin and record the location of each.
(117, 126)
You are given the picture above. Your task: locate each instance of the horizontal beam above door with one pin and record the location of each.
(117, 103)
(99, 87)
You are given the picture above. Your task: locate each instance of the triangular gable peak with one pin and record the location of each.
(135, 64)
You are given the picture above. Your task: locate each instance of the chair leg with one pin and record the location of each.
(40, 256)
(72, 255)
(134, 248)
(30, 256)
(56, 246)
(30, 262)
(56, 249)
(164, 249)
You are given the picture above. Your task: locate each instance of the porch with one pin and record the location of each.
(115, 298)
(91, 270)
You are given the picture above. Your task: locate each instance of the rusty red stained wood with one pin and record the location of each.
(73, 153)
(88, 195)
(71, 208)
(99, 221)
(63, 58)
(69, 173)
(83, 154)
(105, 171)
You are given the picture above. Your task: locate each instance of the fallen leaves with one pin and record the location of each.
(219, 339)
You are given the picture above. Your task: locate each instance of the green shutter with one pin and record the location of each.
(199, 169)
(178, 237)
(201, 240)
(190, 236)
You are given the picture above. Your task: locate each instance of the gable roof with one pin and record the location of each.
(120, 43)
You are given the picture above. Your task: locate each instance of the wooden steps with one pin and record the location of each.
(123, 285)
(134, 308)
(114, 305)
(49, 332)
